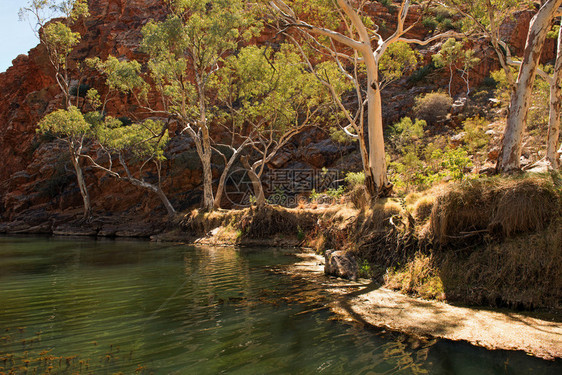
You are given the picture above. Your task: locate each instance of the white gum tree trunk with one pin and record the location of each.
(75, 158)
(553, 136)
(509, 158)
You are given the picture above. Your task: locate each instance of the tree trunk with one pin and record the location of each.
(510, 154)
(154, 188)
(208, 199)
(165, 201)
(224, 175)
(552, 157)
(379, 186)
(81, 183)
(256, 182)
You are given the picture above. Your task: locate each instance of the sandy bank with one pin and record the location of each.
(360, 301)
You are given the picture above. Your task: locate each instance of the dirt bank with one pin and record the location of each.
(368, 304)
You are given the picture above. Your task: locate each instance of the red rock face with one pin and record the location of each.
(25, 96)
(28, 92)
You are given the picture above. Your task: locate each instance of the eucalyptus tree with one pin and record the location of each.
(59, 41)
(454, 56)
(70, 126)
(56, 35)
(555, 81)
(509, 157)
(142, 142)
(348, 35)
(485, 18)
(184, 52)
(269, 96)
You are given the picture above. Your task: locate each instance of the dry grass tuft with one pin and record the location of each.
(422, 208)
(359, 197)
(523, 272)
(201, 223)
(468, 211)
(270, 220)
(525, 206)
(418, 277)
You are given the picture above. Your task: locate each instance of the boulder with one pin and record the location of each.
(340, 264)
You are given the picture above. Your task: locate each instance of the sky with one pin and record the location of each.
(16, 37)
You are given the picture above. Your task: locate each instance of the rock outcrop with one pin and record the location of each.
(340, 264)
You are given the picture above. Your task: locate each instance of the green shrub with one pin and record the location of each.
(430, 23)
(420, 74)
(456, 161)
(406, 131)
(475, 138)
(433, 107)
(336, 193)
(353, 179)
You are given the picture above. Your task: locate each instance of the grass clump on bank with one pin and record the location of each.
(494, 207)
(494, 242)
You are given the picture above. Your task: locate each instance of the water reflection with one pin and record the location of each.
(101, 307)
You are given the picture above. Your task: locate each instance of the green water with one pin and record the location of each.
(104, 307)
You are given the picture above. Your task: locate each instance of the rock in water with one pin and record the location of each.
(341, 264)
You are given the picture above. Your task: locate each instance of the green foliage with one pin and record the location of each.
(456, 161)
(475, 136)
(146, 140)
(43, 10)
(420, 74)
(388, 4)
(57, 36)
(123, 76)
(272, 91)
(93, 98)
(194, 38)
(554, 32)
(60, 40)
(398, 58)
(537, 118)
(71, 9)
(407, 131)
(487, 14)
(314, 195)
(454, 56)
(419, 168)
(449, 53)
(65, 123)
(336, 194)
(353, 179)
(321, 11)
(430, 23)
(337, 135)
(433, 107)
(503, 89)
(300, 233)
(365, 270)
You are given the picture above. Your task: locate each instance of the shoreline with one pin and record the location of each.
(363, 302)
(380, 307)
